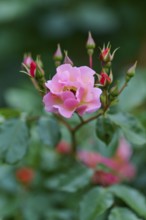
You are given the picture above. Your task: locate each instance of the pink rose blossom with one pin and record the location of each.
(72, 89)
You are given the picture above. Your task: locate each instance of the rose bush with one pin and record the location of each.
(59, 165)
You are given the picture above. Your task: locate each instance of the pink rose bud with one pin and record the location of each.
(67, 60)
(27, 61)
(105, 79)
(90, 42)
(32, 70)
(58, 54)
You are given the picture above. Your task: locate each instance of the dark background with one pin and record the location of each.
(37, 26)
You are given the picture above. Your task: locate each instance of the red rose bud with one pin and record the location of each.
(67, 60)
(104, 79)
(32, 70)
(63, 147)
(90, 42)
(25, 175)
(105, 55)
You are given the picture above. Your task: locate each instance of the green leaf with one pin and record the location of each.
(71, 180)
(31, 101)
(13, 140)
(7, 205)
(105, 129)
(9, 113)
(49, 131)
(132, 198)
(95, 203)
(122, 214)
(131, 128)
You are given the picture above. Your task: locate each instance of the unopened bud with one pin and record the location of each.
(90, 42)
(105, 55)
(104, 79)
(131, 70)
(39, 61)
(67, 60)
(58, 54)
(114, 91)
(25, 175)
(32, 70)
(27, 60)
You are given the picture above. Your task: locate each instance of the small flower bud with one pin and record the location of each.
(58, 54)
(90, 42)
(114, 91)
(105, 55)
(32, 70)
(67, 60)
(30, 65)
(63, 147)
(104, 79)
(27, 60)
(39, 61)
(131, 70)
(25, 175)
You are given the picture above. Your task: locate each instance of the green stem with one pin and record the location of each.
(74, 144)
(86, 121)
(80, 117)
(123, 87)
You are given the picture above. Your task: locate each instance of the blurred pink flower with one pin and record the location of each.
(119, 166)
(105, 178)
(72, 89)
(91, 159)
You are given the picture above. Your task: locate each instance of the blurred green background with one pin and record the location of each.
(37, 26)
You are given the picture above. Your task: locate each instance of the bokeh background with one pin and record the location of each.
(37, 26)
